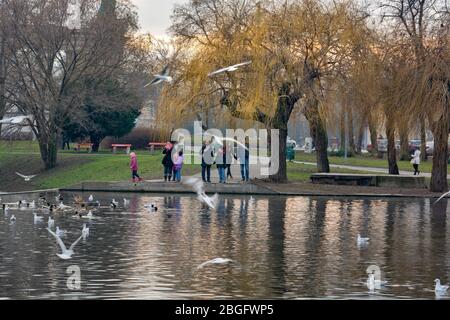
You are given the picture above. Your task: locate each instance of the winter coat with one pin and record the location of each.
(134, 163)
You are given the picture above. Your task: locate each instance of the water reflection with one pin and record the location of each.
(283, 248)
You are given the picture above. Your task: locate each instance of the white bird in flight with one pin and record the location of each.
(220, 140)
(214, 261)
(13, 219)
(162, 77)
(229, 69)
(442, 197)
(126, 202)
(440, 289)
(198, 186)
(91, 198)
(26, 178)
(66, 253)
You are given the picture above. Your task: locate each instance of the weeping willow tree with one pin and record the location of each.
(296, 48)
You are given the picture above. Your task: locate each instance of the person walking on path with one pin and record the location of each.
(177, 166)
(416, 161)
(207, 155)
(134, 168)
(244, 159)
(167, 161)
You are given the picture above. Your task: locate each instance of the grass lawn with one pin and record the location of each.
(302, 173)
(365, 161)
(73, 168)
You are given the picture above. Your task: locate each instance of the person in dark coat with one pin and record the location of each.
(207, 155)
(167, 161)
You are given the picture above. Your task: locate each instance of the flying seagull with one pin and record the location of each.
(442, 197)
(220, 140)
(66, 253)
(198, 186)
(229, 69)
(162, 77)
(26, 178)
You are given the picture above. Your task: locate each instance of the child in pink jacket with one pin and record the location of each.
(134, 167)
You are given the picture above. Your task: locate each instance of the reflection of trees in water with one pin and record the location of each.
(438, 227)
(276, 245)
(313, 245)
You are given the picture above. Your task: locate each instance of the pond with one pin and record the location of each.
(280, 247)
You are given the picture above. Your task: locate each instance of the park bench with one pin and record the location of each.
(121, 146)
(87, 146)
(156, 145)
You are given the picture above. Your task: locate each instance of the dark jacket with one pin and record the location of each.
(167, 160)
(211, 156)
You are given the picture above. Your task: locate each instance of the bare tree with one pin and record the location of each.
(55, 53)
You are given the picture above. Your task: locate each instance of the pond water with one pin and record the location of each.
(281, 247)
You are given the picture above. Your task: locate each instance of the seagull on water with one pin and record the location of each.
(37, 218)
(59, 232)
(373, 283)
(230, 68)
(50, 222)
(162, 77)
(440, 289)
(152, 207)
(89, 215)
(13, 219)
(26, 178)
(214, 261)
(66, 253)
(126, 202)
(442, 197)
(85, 231)
(198, 186)
(91, 198)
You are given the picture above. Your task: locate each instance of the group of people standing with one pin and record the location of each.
(222, 156)
(212, 153)
(172, 162)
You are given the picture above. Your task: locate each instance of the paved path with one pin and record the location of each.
(367, 169)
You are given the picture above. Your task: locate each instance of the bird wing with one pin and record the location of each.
(218, 71)
(21, 175)
(76, 242)
(442, 197)
(165, 71)
(242, 64)
(58, 239)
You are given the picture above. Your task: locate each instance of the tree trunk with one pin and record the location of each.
(96, 140)
(318, 131)
(392, 153)
(373, 133)
(423, 139)
(281, 175)
(404, 142)
(342, 131)
(2, 81)
(359, 142)
(351, 131)
(49, 150)
(440, 156)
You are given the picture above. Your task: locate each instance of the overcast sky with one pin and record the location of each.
(154, 15)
